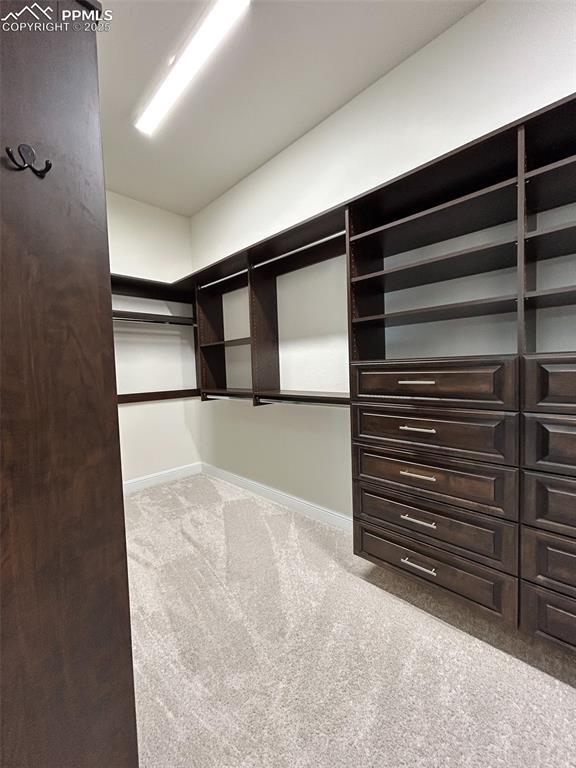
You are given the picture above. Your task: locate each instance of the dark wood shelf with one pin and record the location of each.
(148, 317)
(228, 343)
(551, 186)
(478, 210)
(471, 261)
(551, 243)
(231, 392)
(171, 394)
(477, 308)
(321, 398)
(554, 297)
(140, 287)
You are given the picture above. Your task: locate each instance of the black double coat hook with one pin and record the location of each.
(28, 157)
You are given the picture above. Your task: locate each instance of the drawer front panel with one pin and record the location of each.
(549, 502)
(550, 443)
(550, 383)
(480, 537)
(548, 615)
(484, 436)
(549, 560)
(457, 383)
(480, 487)
(495, 592)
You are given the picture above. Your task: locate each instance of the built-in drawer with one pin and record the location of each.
(550, 443)
(549, 502)
(549, 560)
(482, 538)
(550, 383)
(491, 590)
(480, 487)
(480, 435)
(548, 615)
(453, 382)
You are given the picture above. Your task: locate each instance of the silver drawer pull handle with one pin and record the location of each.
(430, 478)
(406, 428)
(420, 522)
(415, 381)
(429, 571)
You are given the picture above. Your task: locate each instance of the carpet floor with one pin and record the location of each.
(261, 641)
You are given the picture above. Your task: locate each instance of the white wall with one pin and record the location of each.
(154, 436)
(501, 62)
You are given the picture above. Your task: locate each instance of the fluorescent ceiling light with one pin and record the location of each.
(201, 45)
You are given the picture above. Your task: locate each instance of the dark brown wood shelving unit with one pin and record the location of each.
(443, 447)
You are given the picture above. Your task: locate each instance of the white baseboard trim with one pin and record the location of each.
(158, 478)
(315, 511)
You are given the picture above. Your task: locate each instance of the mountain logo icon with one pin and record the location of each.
(39, 13)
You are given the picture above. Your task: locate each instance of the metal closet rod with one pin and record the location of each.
(299, 250)
(284, 401)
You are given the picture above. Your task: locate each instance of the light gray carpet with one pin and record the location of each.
(260, 641)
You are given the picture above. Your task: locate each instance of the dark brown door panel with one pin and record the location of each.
(480, 487)
(550, 443)
(66, 677)
(486, 588)
(548, 615)
(550, 383)
(479, 435)
(482, 538)
(549, 502)
(549, 560)
(452, 382)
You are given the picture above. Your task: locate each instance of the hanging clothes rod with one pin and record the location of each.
(267, 401)
(301, 249)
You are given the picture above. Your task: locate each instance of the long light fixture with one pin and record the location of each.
(201, 45)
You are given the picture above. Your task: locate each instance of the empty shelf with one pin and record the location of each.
(126, 285)
(555, 297)
(486, 258)
(479, 210)
(477, 308)
(287, 395)
(228, 343)
(551, 243)
(171, 394)
(147, 317)
(552, 186)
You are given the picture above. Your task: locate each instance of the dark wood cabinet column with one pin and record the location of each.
(66, 663)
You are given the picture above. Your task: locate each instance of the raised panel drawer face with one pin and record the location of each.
(481, 487)
(469, 382)
(550, 443)
(548, 615)
(549, 561)
(549, 502)
(489, 589)
(550, 383)
(482, 538)
(484, 436)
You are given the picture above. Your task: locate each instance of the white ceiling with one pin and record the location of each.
(285, 67)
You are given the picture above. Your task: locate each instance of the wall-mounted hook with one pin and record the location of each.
(28, 157)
